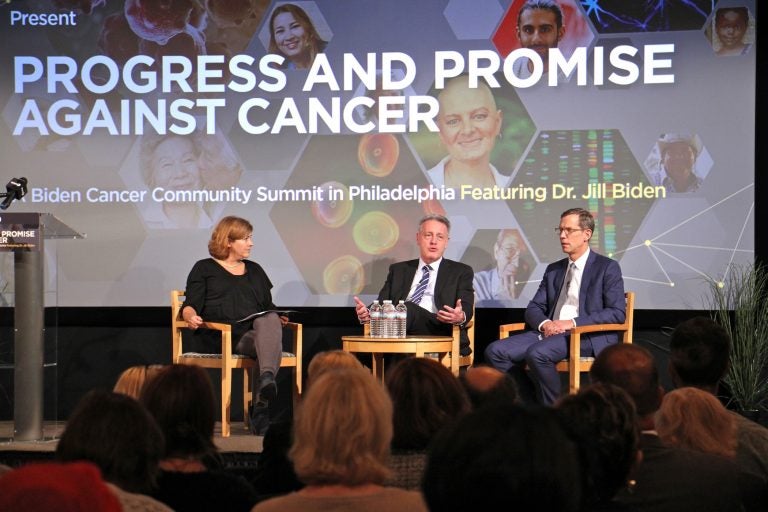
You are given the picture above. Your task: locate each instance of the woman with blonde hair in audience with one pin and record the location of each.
(133, 379)
(342, 433)
(274, 474)
(332, 360)
(694, 419)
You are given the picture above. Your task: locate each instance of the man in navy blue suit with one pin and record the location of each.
(585, 288)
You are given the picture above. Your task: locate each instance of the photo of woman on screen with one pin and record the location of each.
(469, 124)
(293, 35)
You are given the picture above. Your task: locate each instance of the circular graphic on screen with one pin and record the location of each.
(378, 153)
(375, 233)
(329, 212)
(344, 275)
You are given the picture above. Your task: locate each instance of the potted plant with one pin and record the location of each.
(739, 303)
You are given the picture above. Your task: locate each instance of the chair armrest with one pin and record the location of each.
(583, 329)
(457, 328)
(216, 326)
(574, 345)
(505, 329)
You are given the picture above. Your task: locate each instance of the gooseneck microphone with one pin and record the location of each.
(15, 189)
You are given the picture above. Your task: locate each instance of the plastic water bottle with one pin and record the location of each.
(402, 318)
(375, 312)
(388, 319)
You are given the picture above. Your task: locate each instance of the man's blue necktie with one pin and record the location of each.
(418, 293)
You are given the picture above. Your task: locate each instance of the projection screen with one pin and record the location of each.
(333, 126)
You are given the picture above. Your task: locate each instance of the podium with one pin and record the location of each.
(24, 235)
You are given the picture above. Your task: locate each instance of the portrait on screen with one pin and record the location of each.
(175, 169)
(298, 32)
(678, 162)
(502, 263)
(482, 134)
(540, 25)
(732, 31)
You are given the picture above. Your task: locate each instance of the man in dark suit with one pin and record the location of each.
(437, 291)
(585, 288)
(669, 479)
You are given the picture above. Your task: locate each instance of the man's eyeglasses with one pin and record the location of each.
(437, 236)
(567, 231)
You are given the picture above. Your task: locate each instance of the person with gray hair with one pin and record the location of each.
(500, 282)
(437, 291)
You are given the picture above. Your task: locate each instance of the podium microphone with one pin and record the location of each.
(15, 189)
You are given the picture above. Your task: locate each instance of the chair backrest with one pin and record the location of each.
(630, 317)
(177, 323)
(177, 299)
(470, 359)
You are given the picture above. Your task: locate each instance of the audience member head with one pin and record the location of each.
(694, 419)
(699, 352)
(331, 360)
(342, 430)
(118, 435)
(425, 396)
(485, 384)
(43, 487)
(503, 453)
(181, 400)
(602, 420)
(632, 368)
(132, 380)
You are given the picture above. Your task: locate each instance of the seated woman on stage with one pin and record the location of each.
(228, 287)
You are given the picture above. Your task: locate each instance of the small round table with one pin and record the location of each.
(416, 345)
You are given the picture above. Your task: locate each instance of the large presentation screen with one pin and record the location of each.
(333, 126)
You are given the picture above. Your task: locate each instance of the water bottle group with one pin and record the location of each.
(388, 320)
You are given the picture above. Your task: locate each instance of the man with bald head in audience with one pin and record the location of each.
(485, 384)
(667, 479)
